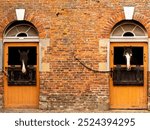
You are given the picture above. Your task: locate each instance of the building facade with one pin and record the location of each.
(70, 55)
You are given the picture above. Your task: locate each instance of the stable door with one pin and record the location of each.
(128, 81)
(21, 80)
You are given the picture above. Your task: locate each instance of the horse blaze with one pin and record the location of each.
(128, 86)
(24, 59)
(21, 86)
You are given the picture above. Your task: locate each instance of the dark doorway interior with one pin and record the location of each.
(136, 59)
(14, 56)
(16, 76)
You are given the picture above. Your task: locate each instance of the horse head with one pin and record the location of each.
(128, 54)
(23, 59)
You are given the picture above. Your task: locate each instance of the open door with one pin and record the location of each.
(128, 87)
(21, 84)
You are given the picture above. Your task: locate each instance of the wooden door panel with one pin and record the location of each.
(20, 96)
(128, 96)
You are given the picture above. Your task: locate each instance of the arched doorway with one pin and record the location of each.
(21, 81)
(129, 65)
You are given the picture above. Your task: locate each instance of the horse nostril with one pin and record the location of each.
(128, 69)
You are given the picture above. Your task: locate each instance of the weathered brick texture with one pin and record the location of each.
(1, 90)
(74, 28)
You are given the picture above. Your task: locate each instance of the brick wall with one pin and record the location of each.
(74, 28)
(1, 90)
(148, 90)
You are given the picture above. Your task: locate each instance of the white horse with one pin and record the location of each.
(128, 55)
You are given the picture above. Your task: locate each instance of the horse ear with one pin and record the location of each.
(19, 51)
(124, 51)
(131, 51)
(28, 51)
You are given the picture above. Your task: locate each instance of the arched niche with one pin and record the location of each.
(21, 65)
(20, 31)
(124, 31)
(128, 31)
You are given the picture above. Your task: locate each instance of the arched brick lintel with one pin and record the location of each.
(31, 17)
(145, 21)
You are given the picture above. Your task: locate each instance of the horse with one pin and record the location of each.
(24, 60)
(128, 54)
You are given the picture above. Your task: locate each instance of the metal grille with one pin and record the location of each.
(122, 77)
(17, 78)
